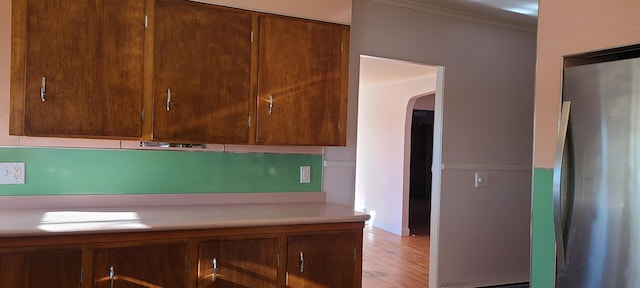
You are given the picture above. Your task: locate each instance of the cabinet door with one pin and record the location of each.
(158, 265)
(84, 63)
(238, 263)
(202, 64)
(50, 269)
(331, 260)
(299, 82)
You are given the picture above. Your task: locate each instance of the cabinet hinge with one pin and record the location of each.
(81, 276)
(146, 20)
(249, 121)
(277, 260)
(251, 36)
(339, 126)
(341, 47)
(142, 114)
(355, 253)
(188, 266)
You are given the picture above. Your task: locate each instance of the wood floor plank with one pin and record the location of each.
(393, 261)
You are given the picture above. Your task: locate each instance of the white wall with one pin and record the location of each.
(425, 103)
(488, 121)
(381, 161)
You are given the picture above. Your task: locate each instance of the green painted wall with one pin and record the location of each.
(56, 171)
(543, 235)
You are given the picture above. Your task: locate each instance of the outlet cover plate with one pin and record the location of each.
(481, 179)
(12, 172)
(305, 174)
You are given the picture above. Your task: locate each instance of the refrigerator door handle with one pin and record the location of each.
(557, 179)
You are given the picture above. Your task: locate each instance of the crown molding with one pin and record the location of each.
(424, 7)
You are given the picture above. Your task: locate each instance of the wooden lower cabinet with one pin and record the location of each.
(311, 255)
(150, 265)
(55, 268)
(324, 260)
(238, 263)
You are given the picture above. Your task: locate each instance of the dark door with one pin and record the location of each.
(420, 171)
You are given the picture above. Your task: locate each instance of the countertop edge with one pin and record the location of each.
(53, 222)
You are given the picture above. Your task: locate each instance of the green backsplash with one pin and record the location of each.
(543, 234)
(56, 171)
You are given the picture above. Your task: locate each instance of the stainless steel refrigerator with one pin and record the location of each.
(597, 177)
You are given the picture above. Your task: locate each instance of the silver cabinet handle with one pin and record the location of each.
(215, 269)
(43, 89)
(168, 99)
(301, 261)
(270, 104)
(557, 176)
(112, 275)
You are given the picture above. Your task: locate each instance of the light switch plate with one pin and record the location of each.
(305, 174)
(12, 173)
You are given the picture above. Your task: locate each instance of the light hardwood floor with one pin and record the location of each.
(393, 261)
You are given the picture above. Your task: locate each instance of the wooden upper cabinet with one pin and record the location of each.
(194, 74)
(77, 68)
(55, 268)
(238, 263)
(151, 265)
(202, 65)
(302, 74)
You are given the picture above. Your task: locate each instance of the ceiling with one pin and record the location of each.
(376, 71)
(521, 13)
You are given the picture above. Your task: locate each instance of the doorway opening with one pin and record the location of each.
(389, 91)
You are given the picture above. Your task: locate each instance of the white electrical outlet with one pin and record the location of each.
(12, 173)
(305, 174)
(482, 180)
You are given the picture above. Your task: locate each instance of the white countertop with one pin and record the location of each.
(53, 221)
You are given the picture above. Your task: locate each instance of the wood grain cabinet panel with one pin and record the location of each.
(238, 263)
(176, 71)
(202, 65)
(80, 71)
(147, 265)
(301, 99)
(305, 255)
(323, 261)
(55, 268)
